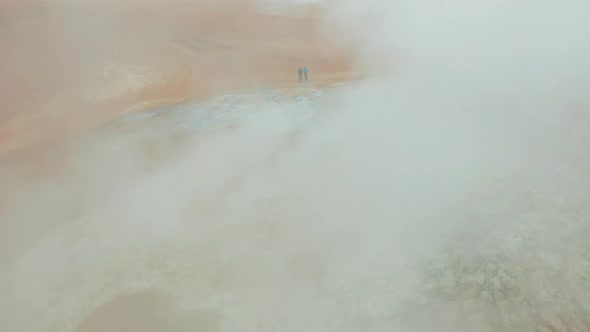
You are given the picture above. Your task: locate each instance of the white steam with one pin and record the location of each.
(450, 193)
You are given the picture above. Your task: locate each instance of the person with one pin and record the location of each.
(305, 71)
(300, 72)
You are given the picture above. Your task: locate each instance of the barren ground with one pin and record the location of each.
(70, 66)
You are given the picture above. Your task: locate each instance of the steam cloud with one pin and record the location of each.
(448, 192)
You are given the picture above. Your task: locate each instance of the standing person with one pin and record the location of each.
(300, 72)
(305, 71)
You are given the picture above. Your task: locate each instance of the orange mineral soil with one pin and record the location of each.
(68, 67)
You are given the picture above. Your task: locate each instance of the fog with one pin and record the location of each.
(448, 191)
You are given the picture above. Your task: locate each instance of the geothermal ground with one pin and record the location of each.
(70, 66)
(163, 169)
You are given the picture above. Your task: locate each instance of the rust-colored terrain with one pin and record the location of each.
(68, 67)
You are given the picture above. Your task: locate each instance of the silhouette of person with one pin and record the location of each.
(300, 72)
(305, 71)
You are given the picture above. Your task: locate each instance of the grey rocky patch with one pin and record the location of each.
(538, 289)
